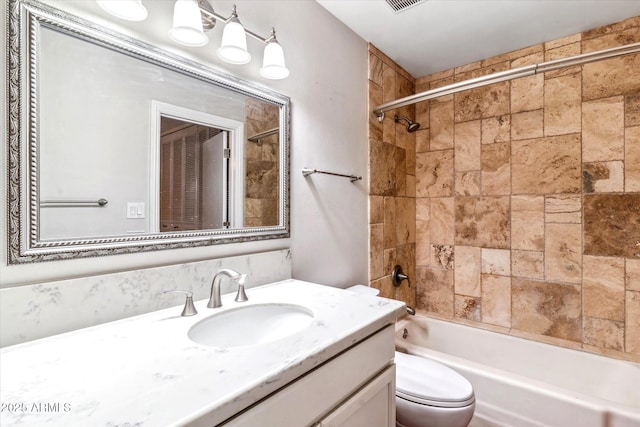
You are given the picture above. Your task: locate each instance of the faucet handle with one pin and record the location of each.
(189, 308)
(241, 296)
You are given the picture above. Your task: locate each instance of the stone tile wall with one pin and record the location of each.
(392, 181)
(262, 165)
(528, 197)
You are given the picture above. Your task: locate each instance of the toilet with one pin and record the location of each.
(428, 393)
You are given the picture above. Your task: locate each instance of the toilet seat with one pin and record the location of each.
(427, 382)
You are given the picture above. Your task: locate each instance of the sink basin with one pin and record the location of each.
(251, 325)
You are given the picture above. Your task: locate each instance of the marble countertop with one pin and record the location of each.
(144, 370)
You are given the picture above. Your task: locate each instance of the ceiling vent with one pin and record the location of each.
(400, 5)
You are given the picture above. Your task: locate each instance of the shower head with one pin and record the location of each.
(411, 126)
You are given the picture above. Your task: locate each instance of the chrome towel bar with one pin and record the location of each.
(307, 172)
(73, 203)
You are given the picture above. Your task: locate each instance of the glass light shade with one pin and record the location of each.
(233, 48)
(187, 24)
(273, 66)
(131, 10)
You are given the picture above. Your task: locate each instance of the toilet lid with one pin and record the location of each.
(427, 382)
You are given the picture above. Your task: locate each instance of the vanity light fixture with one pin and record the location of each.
(187, 24)
(189, 28)
(131, 10)
(233, 48)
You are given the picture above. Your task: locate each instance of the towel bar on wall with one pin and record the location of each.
(307, 172)
(73, 203)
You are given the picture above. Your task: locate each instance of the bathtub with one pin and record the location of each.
(525, 383)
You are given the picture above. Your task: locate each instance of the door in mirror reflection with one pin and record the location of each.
(194, 179)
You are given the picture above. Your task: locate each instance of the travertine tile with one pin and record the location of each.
(410, 186)
(546, 165)
(384, 285)
(487, 101)
(483, 221)
(613, 29)
(375, 98)
(553, 44)
(527, 125)
(438, 83)
(632, 110)
(389, 130)
(442, 256)
(546, 308)
(531, 59)
(603, 287)
(468, 307)
(527, 222)
(382, 168)
(632, 159)
(563, 252)
(632, 274)
(423, 209)
(405, 220)
(496, 169)
(422, 140)
(423, 243)
(612, 225)
(434, 174)
(632, 322)
(422, 114)
(603, 177)
(389, 260)
(389, 222)
(376, 209)
(496, 262)
(376, 248)
(400, 156)
(604, 333)
(527, 93)
(603, 129)
(467, 146)
(561, 52)
(563, 208)
(562, 102)
(435, 290)
(467, 183)
(388, 84)
(620, 75)
(496, 300)
(441, 126)
(406, 257)
(467, 270)
(496, 129)
(375, 69)
(442, 221)
(528, 264)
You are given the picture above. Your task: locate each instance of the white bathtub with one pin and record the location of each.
(524, 383)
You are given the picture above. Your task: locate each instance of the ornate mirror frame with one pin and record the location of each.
(25, 18)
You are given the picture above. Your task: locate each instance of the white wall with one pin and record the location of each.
(328, 89)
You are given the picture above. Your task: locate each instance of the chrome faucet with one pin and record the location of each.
(215, 300)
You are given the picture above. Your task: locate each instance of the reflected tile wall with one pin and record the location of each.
(537, 180)
(37, 311)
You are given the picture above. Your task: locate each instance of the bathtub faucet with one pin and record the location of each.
(398, 276)
(411, 310)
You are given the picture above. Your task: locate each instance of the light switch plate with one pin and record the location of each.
(135, 210)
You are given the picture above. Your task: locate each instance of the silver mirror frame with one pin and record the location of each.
(25, 18)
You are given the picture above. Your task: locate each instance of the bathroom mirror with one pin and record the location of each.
(117, 146)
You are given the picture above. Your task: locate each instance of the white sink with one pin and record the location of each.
(251, 325)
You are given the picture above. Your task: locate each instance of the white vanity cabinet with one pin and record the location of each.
(354, 389)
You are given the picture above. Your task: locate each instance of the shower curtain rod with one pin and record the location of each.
(527, 70)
